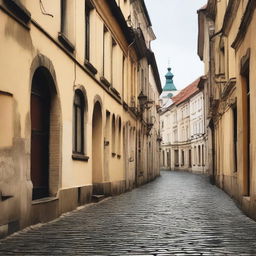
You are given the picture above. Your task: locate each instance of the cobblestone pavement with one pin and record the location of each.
(178, 214)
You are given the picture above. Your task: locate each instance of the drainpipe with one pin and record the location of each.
(211, 80)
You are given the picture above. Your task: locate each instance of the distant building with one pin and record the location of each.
(169, 90)
(182, 129)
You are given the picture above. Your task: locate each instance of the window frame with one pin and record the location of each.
(79, 107)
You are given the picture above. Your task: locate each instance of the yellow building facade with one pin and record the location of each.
(69, 106)
(226, 45)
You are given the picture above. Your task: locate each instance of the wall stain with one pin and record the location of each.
(19, 34)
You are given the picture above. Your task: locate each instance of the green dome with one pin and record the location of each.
(169, 86)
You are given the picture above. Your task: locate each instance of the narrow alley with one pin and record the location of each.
(177, 214)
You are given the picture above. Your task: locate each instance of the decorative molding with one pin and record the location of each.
(105, 81)
(115, 92)
(89, 66)
(228, 87)
(80, 157)
(65, 42)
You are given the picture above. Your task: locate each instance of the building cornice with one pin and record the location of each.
(152, 62)
(245, 22)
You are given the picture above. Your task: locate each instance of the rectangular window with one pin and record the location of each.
(142, 80)
(182, 158)
(176, 157)
(67, 35)
(78, 123)
(246, 128)
(113, 62)
(203, 161)
(199, 155)
(105, 31)
(195, 158)
(169, 158)
(235, 136)
(107, 55)
(88, 8)
(222, 60)
(189, 158)
(123, 75)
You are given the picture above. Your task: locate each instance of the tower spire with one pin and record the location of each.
(169, 85)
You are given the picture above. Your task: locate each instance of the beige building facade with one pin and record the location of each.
(226, 45)
(69, 91)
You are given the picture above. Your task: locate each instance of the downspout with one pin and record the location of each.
(211, 69)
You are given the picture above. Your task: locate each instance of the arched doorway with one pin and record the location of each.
(97, 144)
(40, 133)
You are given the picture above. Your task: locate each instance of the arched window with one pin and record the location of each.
(113, 135)
(199, 155)
(78, 123)
(119, 137)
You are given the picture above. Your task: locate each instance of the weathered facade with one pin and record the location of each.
(226, 45)
(69, 91)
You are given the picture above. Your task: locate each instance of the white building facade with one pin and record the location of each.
(183, 144)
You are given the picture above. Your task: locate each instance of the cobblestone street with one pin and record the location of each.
(178, 214)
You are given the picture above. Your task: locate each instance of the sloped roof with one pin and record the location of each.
(187, 92)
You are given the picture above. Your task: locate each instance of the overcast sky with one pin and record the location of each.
(175, 25)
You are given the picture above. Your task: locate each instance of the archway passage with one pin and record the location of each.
(40, 128)
(97, 144)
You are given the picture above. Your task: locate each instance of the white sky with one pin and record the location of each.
(175, 25)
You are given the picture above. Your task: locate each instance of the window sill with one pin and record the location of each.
(19, 10)
(115, 92)
(125, 105)
(4, 197)
(44, 200)
(89, 65)
(105, 81)
(65, 42)
(80, 157)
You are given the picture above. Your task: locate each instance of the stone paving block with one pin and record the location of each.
(178, 214)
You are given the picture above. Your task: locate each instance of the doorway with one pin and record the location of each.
(97, 176)
(40, 130)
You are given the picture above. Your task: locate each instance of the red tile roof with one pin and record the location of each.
(186, 92)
